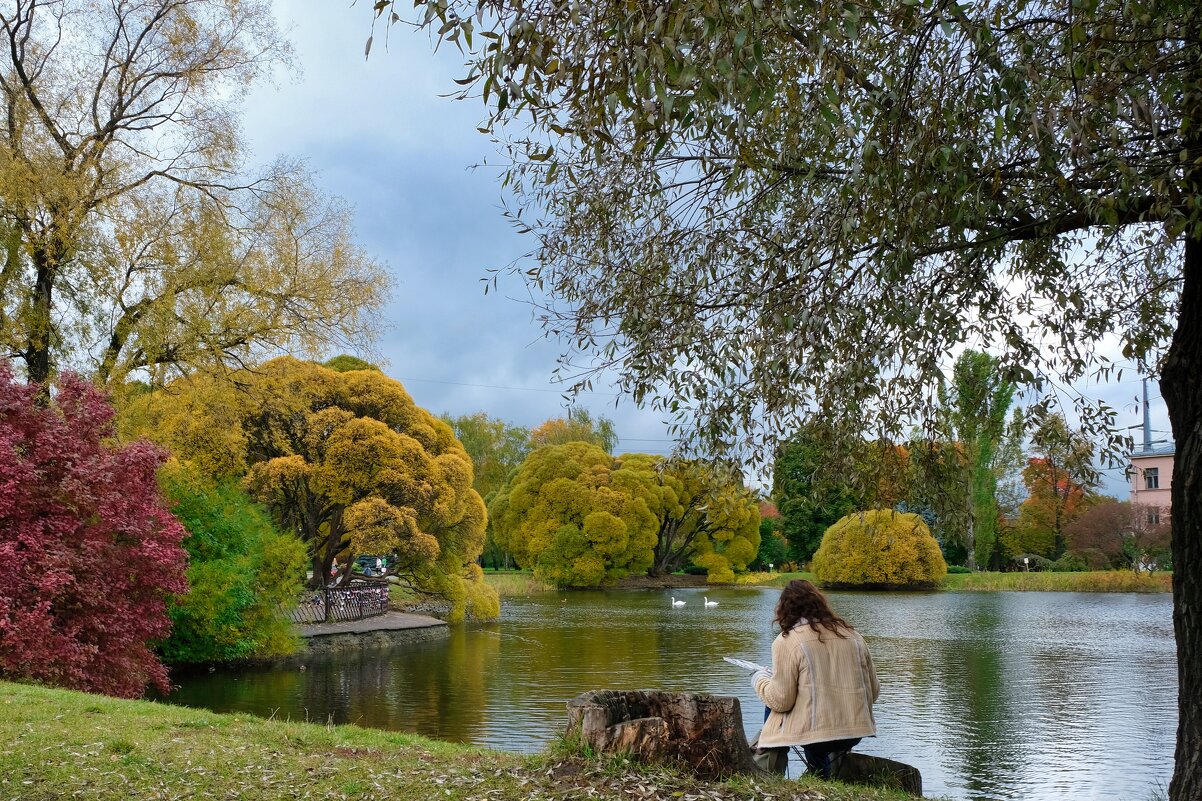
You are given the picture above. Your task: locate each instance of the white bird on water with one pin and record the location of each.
(676, 602)
(708, 602)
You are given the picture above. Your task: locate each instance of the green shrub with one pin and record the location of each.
(241, 572)
(879, 548)
(1031, 561)
(1070, 563)
(958, 569)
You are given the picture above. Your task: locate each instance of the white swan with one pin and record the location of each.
(676, 602)
(709, 603)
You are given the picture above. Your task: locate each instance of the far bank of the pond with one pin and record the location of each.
(61, 744)
(510, 583)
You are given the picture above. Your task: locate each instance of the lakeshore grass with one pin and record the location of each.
(513, 583)
(1093, 581)
(62, 744)
(516, 582)
(774, 579)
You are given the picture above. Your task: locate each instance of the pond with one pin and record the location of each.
(991, 695)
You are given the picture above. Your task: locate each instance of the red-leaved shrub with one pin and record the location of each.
(88, 550)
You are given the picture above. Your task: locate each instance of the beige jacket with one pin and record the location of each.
(820, 690)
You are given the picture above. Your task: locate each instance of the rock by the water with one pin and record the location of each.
(696, 731)
(864, 769)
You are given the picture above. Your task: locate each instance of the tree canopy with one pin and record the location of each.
(1060, 486)
(90, 552)
(578, 426)
(706, 516)
(496, 447)
(759, 212)
(976, 407)
(879, 548)
(578, 516)
(1126, 534)
(347, 460)
(134, 235)
(808, 493)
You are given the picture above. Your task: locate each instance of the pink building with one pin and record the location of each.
(1151, 474)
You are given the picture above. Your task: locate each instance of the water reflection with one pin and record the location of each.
(992, 696)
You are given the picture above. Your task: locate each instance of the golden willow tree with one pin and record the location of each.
(758, 212)
(345, 459)
(133, 237)
(706, 516)
(578, 516)
(582, 518)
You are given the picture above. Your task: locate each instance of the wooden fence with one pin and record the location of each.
(338, 604)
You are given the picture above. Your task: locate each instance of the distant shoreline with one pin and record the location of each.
(1096, 581)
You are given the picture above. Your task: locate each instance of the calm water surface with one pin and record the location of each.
(991, 695)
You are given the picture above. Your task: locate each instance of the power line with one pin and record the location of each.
(496, 386)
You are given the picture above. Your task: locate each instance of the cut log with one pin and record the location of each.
(698, 732)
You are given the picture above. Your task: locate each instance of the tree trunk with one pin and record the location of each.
(1181, 386)
(37, 346)
(970, 532)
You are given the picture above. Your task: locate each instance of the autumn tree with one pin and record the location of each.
(773, 550)
(937, 489)
(1060, 481)
(705, 514)
(761, 212)
(90, 552)
(134, 236)
(344, 363)
(879, 548)
(497, 449)
(347, 460)
(578, 516)
(1122, 531)
(578, 426)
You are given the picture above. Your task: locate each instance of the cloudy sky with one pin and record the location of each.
(379, 133)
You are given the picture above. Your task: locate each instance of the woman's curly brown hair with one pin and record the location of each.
(801, 602)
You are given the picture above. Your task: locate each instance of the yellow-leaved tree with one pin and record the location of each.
(879, 548)
(347, 460)
(135, 235)
(578, 516)
(706, 516)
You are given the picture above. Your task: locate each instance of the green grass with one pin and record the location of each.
(516, 583)
(59, 744)
(1096, 581)
(774, 579)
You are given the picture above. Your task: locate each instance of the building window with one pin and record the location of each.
(1152, 478)
(1153, 517)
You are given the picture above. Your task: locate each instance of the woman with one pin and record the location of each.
(821, 688)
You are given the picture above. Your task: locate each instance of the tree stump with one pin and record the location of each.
(699, 732)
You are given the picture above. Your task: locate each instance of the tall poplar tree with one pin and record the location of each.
(976, 406)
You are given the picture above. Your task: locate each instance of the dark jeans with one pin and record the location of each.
(819, 755)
